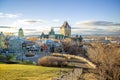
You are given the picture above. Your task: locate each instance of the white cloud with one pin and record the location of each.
(32, 26)
(84, 28)
(28, 22)
(34, 21)
(98, 27)
(56, 20)
(98, 23)
(9, 15)
(113, 29)
(9, 29)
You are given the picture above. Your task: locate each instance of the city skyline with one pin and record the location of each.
(84, 16)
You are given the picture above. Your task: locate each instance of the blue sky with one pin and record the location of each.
(35, 16)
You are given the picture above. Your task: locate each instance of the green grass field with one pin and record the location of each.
(27, 72)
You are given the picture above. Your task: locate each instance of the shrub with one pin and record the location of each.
(74, 49)
(8, 58)
(52, 61)
(107, 58)
(3, 58)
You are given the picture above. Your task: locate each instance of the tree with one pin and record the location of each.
(80, 38)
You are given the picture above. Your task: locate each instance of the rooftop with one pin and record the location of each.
(65, 24)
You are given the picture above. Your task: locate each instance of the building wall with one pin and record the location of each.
(52, 36)
(20, 34)
(62, 30)
(66, 31)
(1, 40)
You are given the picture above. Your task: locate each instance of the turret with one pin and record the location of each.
(66, 29)
(20, 33)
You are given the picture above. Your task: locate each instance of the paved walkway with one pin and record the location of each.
(36, 57)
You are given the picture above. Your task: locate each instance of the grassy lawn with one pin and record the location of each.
(27, 72)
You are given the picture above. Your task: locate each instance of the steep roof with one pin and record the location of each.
(21, 29)
(65, 25)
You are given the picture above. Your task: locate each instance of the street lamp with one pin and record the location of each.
(23, 48)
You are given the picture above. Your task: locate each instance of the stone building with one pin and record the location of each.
(20, 33)
(1, 40)
(52, 34)
(65, 32)
(66, 29)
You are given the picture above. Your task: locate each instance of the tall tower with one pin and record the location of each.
(20, 33)
(52, 34)
(66, 29)
(1, 40)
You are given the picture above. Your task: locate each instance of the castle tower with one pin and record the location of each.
(52, 34)
(66, 29)
(20, 33)
(1, 40)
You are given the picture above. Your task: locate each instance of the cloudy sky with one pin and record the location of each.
(36, 16)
